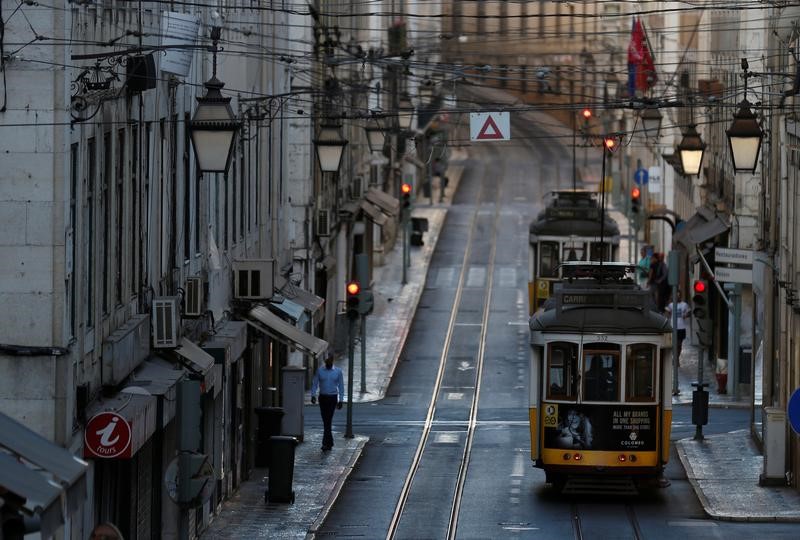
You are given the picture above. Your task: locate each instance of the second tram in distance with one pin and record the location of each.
(568, 229)
(600, 399)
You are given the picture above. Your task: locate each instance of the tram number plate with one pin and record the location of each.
(550, 415)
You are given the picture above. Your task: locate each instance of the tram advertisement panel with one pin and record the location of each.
(600, 427)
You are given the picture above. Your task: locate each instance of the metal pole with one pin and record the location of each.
(363, 354)
(351, 330)
(405, 249)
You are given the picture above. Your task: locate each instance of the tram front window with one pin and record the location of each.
(640, 377)
(601, 372)
(562, 370)
(575, 251)
(599, 251)
(548, 260)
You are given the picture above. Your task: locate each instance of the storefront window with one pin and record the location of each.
(562, 370)
(640, 377)
(600, 372)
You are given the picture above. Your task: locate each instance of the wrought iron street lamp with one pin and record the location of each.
(744, 138)
(376, 136)
(330, 148)
(405, 114)
(651, 122)
(691, 150)
(213, 127)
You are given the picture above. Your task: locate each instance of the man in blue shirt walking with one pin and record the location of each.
(329, 380)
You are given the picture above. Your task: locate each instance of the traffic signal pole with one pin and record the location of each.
(351, 330)
(363, 354)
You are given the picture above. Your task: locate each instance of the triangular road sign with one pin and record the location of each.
(485, 134)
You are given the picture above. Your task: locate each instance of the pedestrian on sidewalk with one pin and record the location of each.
(683, 314)
(329, 380)
(643, 267)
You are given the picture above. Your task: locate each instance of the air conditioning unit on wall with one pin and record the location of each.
(253, 279)
(166, 322)
(357, 187)
(193, 299)
(323, 223)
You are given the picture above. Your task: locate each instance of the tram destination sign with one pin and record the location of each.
(602, 299)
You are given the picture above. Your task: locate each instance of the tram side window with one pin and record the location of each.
(640, 378)
(601, 372)
(562, 370)
(548, 261)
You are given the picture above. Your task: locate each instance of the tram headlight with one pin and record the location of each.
(577, 457)
(632, 458)
(567, 456)
(622, 458)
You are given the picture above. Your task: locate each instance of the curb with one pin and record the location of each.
(337, 488)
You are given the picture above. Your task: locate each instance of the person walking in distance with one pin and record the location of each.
(683, 314)
(329, 381)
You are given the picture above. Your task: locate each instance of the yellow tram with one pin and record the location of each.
(568, 229)
(600, 374)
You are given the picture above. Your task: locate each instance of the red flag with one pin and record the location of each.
(641, 69)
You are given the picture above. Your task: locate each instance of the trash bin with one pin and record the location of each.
(269, 425)
(281, 470)
(418, 226)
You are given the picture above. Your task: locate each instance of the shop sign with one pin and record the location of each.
(108, 436)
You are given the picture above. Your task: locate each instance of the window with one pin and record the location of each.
(74, 156)
(105, 230)
(187, 190)
(88, 232)
(135, 214)
(120, 214)
(575, 251)
(601, 372)
(600, 251)
(640, 376)
(562, 370)
(548, 260)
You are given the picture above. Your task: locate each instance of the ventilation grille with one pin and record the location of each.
(165, 322)
(193, 303)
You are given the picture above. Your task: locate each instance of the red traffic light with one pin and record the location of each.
(353, 288)
(699, 287)
(586, 113)
(636, 193)
(406, 188)
(609, 143)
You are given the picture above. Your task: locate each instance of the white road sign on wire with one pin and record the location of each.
(492, 126)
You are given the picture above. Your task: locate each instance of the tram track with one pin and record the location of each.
(578, 523)
(470, 422)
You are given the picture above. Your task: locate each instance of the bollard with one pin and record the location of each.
(699, 409)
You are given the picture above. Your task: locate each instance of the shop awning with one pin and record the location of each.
(704, 225)
(374, 213)
(158, 377)
(290, 309)
(42, 496)
(388, 204)
(199, 361)
(66, 469)
(263, 320)
(310, 301)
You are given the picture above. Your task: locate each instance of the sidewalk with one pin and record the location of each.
(318, 477)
